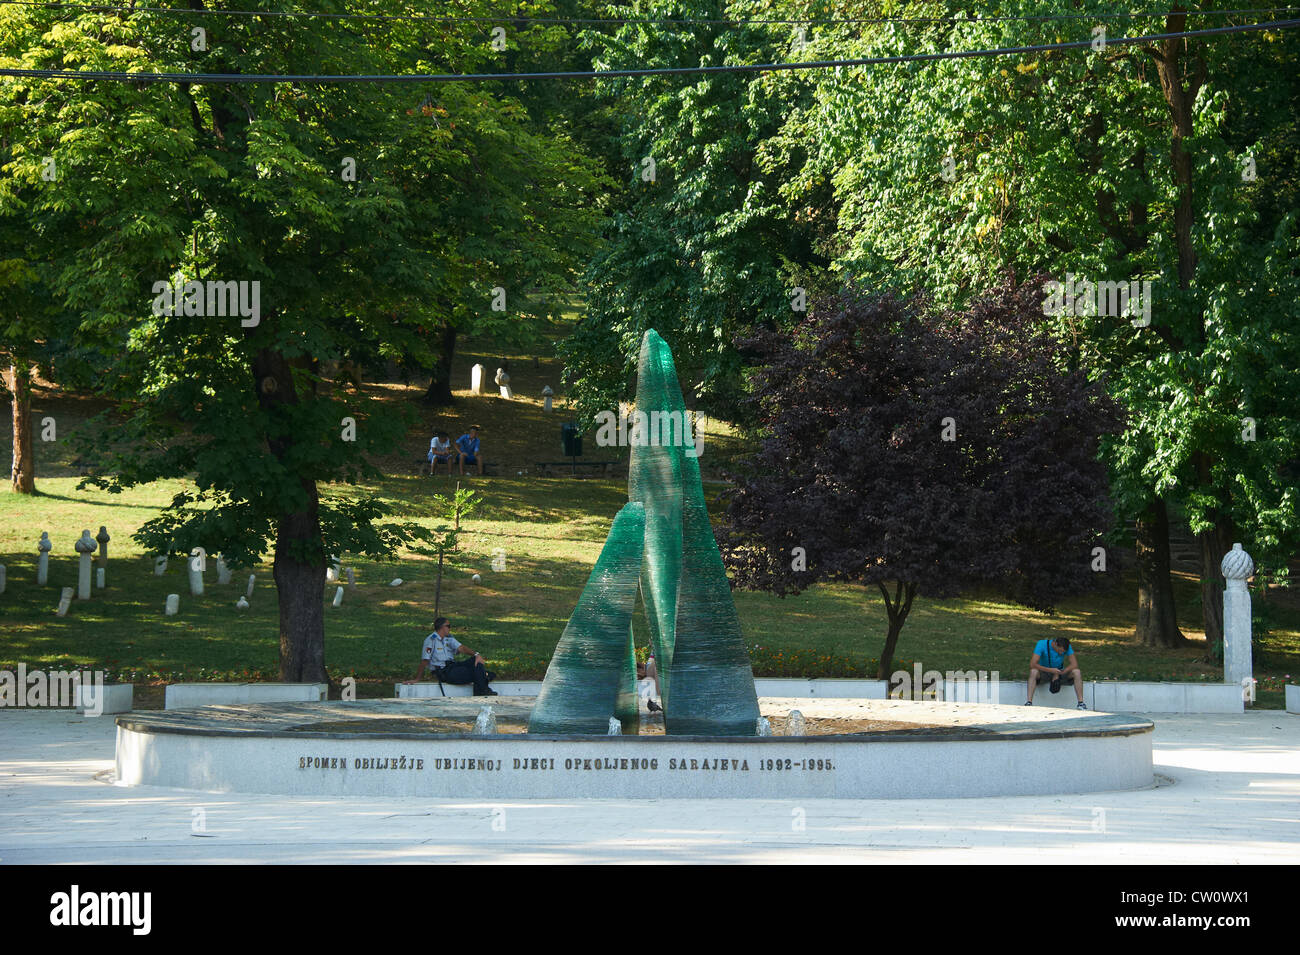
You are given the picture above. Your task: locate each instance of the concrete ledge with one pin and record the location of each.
(830, 689)
(1108, 696)
(1293, 699)
(1012, 693)
(429, 690)
(960, 750)
(115, 698)
(181, 695)
(1122, 697)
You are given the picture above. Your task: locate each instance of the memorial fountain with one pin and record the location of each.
(580, 737)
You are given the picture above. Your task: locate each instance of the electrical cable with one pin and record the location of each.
(680, 21)
(213, 78)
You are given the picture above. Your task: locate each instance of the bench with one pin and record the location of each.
(550, 468)
(428, 689)
(109, 698)
(421, 466)
(181, 695)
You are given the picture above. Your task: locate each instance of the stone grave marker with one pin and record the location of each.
(43, 546)
(85, 546)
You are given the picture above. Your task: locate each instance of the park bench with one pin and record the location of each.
(557, 468)
(421, 466)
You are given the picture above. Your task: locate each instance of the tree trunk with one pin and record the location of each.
(897, 610)
(887, 654)
(298, 585)
(1157, 624)
(1214, 542)
(299, 566)
(1181, 99)
(439, 392)
(22, 475)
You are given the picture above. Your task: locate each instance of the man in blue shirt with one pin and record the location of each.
(469, 452)
(1054, 660)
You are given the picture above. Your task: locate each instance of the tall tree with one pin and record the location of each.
(922, 453)
(321, 205)
(1117, 163)
(703, 245)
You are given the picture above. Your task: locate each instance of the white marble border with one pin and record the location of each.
(665, 767)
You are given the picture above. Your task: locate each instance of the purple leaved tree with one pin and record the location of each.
(920, 451)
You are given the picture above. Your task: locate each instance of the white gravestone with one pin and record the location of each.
(2, 578)
(223, 571)
(338, 596)
(103, 539)
(160, 565)
(252, 579)
(173, 605)
(99, 578)
(85, 546)
(476, 379)
(43, 562)
(332, 571)
(546, 398)
(194, 567)
(1237, 664)
(65, 601)
(241, 603)
(503, 382)
(352, 577)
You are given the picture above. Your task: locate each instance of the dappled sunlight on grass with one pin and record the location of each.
(551, 531)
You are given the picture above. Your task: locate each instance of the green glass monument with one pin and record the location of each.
(705, 678)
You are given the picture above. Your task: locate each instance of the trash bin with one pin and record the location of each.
(571, 440)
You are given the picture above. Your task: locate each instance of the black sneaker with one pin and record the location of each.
(1029, 702)
(1082, 705)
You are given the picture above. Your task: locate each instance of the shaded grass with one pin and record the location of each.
(551, 531)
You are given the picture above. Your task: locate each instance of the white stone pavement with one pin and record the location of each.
(1229, 792)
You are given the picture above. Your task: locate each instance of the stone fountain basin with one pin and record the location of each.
(866, 749)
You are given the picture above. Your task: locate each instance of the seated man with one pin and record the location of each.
(648, 671)
(440, 451)
(469, 450)
(1055, 659)
(438, 655)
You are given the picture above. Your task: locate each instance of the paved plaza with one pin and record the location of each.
(1228, 791)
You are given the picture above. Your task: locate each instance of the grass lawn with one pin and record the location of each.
(551, 530)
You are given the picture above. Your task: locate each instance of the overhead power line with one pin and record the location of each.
(219, 78)
(622, 21)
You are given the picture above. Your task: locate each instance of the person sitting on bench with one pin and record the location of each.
(439, 655)
(1054, 660)
(469, 449)
(440, 451)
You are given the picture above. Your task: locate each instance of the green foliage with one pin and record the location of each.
(450, 511)
(710, 247)
(457, 190)
(1061, 163)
